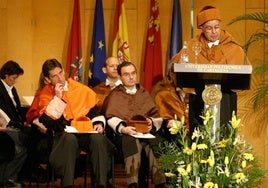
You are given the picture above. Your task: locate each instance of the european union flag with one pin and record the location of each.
(98, 48)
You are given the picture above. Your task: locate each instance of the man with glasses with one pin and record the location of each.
(217, 47)
(131, 101)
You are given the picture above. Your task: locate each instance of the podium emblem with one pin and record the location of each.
(211, 95)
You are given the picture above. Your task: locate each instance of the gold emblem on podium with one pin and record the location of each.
(211, 95)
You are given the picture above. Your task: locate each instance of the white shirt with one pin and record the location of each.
(112, 84)
(215, 43)
(131, 91)
(9, 91)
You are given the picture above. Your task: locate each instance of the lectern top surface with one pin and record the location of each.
(213, 68)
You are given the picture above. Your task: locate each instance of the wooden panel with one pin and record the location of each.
(255, 4)
(3, 34)
(3, 4)
(19, 40)
(33, 31)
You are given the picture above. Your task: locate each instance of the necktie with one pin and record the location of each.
(12, 97)
(215, 43)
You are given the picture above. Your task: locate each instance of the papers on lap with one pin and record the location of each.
(71, 129)
(4, 119)
(80, 125)
(143, 135)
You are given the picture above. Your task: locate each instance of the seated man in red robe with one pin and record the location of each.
(60, 102)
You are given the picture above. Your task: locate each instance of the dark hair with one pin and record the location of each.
(49, 65)
(124, 64)
(10, 68)
(41, 82)
(206, 8)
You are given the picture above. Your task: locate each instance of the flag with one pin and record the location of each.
(120, 37)
(153, 71)
(98, 48)
(74, 53)
(176, 32)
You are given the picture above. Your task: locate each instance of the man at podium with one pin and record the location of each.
(212, 46)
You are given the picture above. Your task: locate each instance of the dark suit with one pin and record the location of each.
(11, 168)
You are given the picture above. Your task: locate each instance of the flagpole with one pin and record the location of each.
(192, 18)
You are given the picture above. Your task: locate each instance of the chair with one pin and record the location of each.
(83, 162)
(144, 173)
(83, 156)
(38, 157)
(112, 176)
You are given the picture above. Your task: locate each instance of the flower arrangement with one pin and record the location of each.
(197, 161)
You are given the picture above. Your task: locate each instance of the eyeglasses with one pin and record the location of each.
(211, 28)
(129, 74)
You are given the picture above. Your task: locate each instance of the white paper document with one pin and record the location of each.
(28, 99)
(143, 135)
(71, 129)
(4, 119)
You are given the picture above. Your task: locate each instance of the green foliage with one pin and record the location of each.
(202, 162)
(260, 17)
(257, 16)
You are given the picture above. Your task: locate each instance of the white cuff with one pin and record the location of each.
(157, 122)
(99, 118)
(55, 108)
(113, 122)
(120, 128)
(170, 123)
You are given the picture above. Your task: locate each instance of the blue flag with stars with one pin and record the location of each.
(98, 48)
(176, 32)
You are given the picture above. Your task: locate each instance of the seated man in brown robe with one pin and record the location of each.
(121, 105)
(112, 80)
(171, 101)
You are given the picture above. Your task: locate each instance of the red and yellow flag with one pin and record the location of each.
(120, 38)
(74, 54)
(153, 56)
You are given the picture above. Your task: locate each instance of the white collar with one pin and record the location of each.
(215, 43)
(131, 91)
(65, 87)
(8, 88)
(9, 91)
(181, 93)
(112, 84)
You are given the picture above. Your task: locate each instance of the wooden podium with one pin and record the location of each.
(213, 78)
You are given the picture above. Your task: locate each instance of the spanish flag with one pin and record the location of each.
(120, 37)
(153, 56)
(74, 54)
